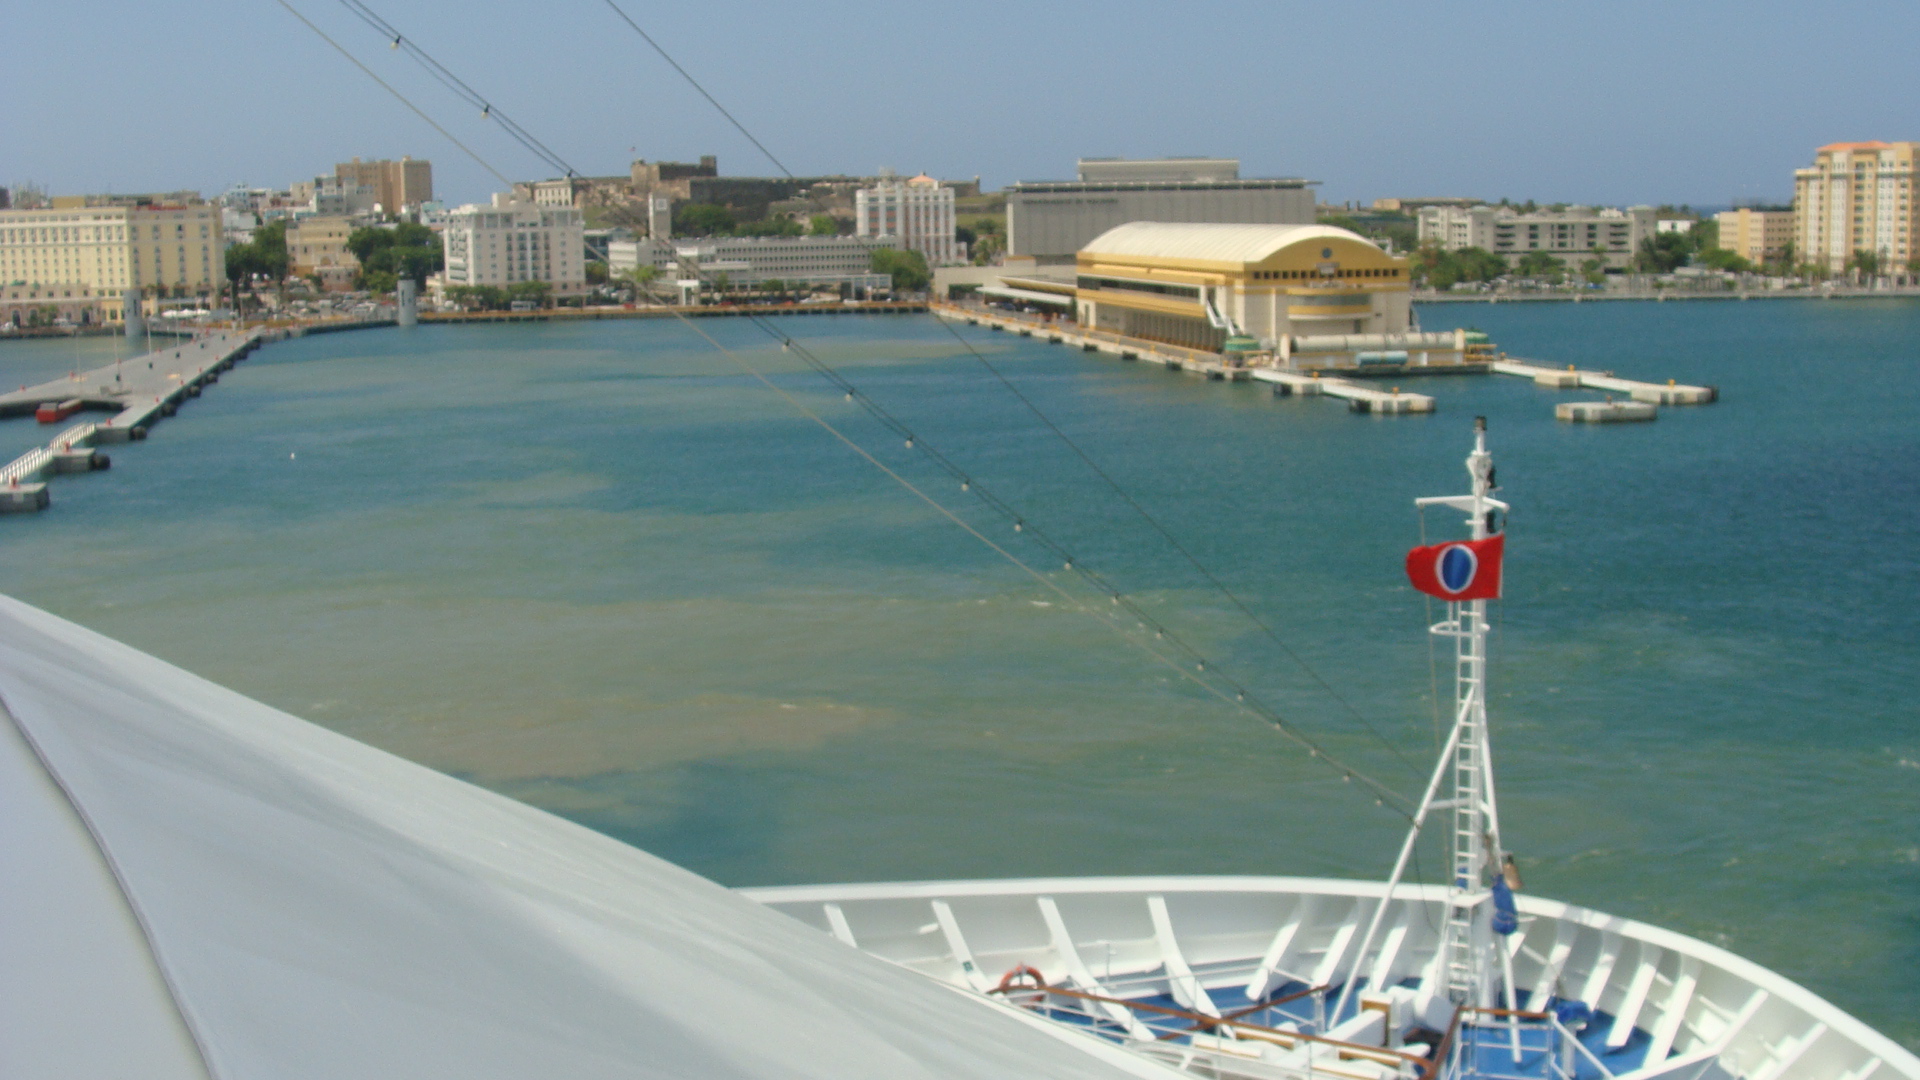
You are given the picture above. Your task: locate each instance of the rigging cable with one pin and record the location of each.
(452, 82)
(1094, 467)
(1195, 665)
(695, 83)
(389, 89)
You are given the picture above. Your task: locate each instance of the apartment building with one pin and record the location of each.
(317, 247)
(510, 241)
(918, 213)
(395, 184)
(1759, 236)
(1572, 234)
(1857, 197)
(78, 250)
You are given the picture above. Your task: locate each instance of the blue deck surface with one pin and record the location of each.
(1486, 1049)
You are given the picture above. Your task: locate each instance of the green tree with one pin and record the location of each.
(243, 265)
(1539, 264)
(703, 219)
(1722, 259)
(366, 240)
(539, 292)
(1663, 253)
(1864, 264)
(478, 297)
(388, 254)
(1785, 263)
(823, 225)
(270, 251)
(908, 268)
(641, 279)
(596, 272)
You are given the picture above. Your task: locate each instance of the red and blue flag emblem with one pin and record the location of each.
(1461, 570)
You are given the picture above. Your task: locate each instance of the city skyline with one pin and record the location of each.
(1649, 105)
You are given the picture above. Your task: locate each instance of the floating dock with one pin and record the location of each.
(1570, 377)
(1359, 397)
(1605, 412)
(137, 391)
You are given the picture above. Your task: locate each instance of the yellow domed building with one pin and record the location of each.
(1197, 284)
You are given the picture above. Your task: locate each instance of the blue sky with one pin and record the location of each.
(1620, 102)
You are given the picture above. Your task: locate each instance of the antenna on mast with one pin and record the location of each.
(1470, 967)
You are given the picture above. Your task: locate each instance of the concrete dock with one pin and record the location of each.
(1358, 396)
(137, 391)
(1286, 383)
(1605, 412)
(1569, 378)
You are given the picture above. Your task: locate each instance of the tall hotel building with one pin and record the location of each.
(1857, 196)
(73, 251)
(918, 213)
(509, 242)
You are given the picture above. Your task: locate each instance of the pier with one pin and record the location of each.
(1285, 382)
(137, 391)
(1354, 384)
(1568, 378)
(1358, 396)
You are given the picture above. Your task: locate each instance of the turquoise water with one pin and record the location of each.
(598, 568)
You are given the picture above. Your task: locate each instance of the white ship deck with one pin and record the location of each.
(1182, 950)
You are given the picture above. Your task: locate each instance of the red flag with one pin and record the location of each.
(1461, 570)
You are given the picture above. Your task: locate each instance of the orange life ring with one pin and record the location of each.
(1008, 981)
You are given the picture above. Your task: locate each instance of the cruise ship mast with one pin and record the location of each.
(1470, 965)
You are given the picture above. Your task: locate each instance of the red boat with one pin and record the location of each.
(53, 414)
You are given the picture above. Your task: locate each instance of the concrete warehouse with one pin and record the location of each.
(1053, 220)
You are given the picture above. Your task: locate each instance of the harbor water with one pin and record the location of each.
(601, 568)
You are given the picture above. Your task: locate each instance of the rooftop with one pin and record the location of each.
(1210, 242)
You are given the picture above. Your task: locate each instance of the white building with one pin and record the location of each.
(1571, 234)
(624, 255)
(238, 225)
(918, 213)
(829, 261)
(509, 242)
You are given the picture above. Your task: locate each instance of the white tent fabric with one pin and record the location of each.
(199, 886)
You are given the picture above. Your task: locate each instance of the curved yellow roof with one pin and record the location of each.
(1210, 242)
